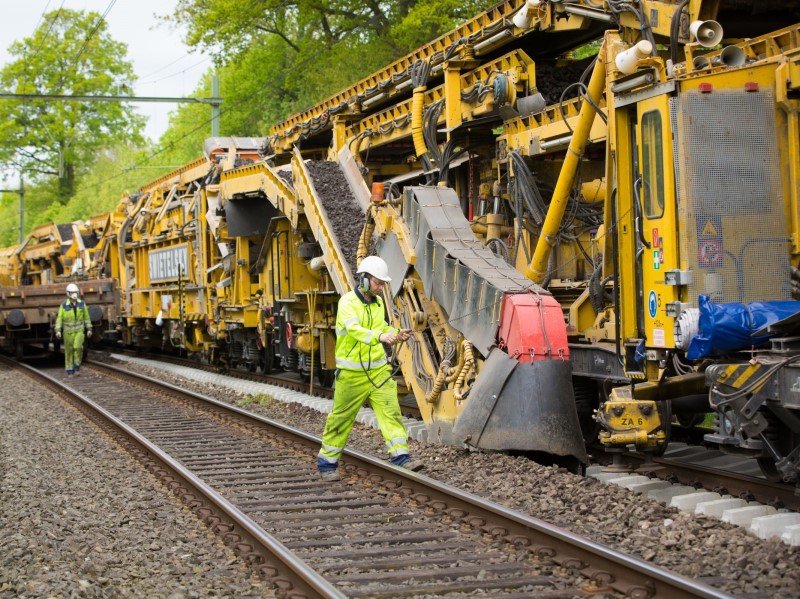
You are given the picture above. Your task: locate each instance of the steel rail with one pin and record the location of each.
(408, 408)
(716, 479)
(632, 576)
(304, 579)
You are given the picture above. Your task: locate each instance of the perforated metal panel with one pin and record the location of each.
(734, 233)
(456, 269)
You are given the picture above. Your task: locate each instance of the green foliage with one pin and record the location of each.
(278, 58)
(98, 191)
(273, 59)
(70, 53)
(587, 50)
(258, 399)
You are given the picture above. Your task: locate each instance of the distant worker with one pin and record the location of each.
(363, 372)
(73, 318)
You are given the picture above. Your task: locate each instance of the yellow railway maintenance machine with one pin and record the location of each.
(701, 237)
(686, 198)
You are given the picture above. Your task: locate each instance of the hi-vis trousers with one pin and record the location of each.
(352, 388)
(73, 348)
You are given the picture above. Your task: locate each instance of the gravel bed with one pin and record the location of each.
(79, 519)
(722, 555)
(552, 80)
(338, 201)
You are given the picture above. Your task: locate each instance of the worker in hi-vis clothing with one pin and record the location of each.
(363, 372)
(71, 323)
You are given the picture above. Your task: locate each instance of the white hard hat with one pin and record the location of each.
(72, 288)
(375, 267)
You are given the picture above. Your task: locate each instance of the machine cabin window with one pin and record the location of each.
(652, 165)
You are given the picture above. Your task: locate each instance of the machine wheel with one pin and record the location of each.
(267, 359)
(326, 378)
(665, 413)
(690, 420)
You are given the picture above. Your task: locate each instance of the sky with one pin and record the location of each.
(160, 59)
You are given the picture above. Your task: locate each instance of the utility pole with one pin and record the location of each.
(215, 106)
(21, 208)
(21, 192)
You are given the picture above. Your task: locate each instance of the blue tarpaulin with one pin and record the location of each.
(726, 328)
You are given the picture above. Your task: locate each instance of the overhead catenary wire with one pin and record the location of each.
(44, 38)
(89, 37)
(166, 66)
(175, 74)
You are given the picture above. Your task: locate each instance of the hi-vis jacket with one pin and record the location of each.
(73, 317)
(359, 325)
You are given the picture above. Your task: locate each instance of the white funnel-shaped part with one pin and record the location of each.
(707, 33)
(524, 16)
(628, 60)
(732, 56)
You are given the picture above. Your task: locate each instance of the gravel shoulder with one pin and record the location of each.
(79, 519)
(717, 553)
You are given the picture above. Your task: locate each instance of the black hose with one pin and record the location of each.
(596, 295)
(674, 27)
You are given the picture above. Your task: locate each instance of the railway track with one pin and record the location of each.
(688, 464)
(381, 532)
(408, 404)
(698, 466)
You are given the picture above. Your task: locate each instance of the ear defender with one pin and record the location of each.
(364, 284)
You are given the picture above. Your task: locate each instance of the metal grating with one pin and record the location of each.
(730, 202)
(456, 269)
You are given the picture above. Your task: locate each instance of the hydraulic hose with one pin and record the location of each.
(537, 269)
(469, 363)
(420, 71)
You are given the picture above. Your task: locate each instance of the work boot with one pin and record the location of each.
(329, 476)
(70, 372)
(414, 465)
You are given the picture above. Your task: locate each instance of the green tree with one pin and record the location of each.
(276, 58)
(70, 53)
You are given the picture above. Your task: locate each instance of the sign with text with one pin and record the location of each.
(166, 264)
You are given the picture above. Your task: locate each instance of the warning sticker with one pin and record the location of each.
(709, 253)
(658, 338)
(710, 248)
(709, 230)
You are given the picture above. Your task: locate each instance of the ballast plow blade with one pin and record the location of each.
(522, 406)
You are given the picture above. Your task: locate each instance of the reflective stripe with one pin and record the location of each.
(396, 452)
(327, 459)
(369, 337)
(397, 441)
(72, 326)
(341, 332)
(348, 365)
(350, 321)
(332, 449)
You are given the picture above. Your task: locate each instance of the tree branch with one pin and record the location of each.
(280, 34)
